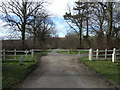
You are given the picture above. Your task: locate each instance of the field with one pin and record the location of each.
(105, 68)
(13, 73)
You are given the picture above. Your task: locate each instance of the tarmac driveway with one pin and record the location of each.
(63, 71)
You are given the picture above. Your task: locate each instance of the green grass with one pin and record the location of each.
(106, 68)
(72, 52)
(13, 73)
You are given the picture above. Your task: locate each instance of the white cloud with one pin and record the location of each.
(56, 8)
(4, 30)
(59, 7)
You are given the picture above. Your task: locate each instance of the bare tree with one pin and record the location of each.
(76, 19)
(41, 26)
(17, 14)
(79, 18)
(109, 14)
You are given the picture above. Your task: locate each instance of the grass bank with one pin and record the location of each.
(13, 73)
(106, 68)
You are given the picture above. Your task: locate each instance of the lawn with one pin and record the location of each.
(72, 52)
(106, 68)
(13, 73)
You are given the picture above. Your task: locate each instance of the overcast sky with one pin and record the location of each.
(57, 9)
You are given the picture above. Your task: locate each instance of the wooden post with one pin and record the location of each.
(68, 51)
(114, 50)
(21, 60)
(32, 52)
(14, 54)
(26, 54)
(105, 53)
(114, 55)
(90, 54)
(97, 53)
(78, 53)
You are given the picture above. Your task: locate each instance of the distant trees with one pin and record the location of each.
(41, 27)
(71, 41)
(98, 18)
(21, 14)
(79, 18)
(76, 19)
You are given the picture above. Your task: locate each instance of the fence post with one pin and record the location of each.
(32, 53)
(3, 54)
(14, 54)
(114, 50)
(26, 54)
(114, 55)
(105, 53)
(68, 51)
(21, 60)
(97, 53)
(78, 53)
(90, 54)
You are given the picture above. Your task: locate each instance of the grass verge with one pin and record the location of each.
(13, 73)
(105, 68)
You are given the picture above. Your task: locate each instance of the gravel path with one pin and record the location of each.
(63, 71)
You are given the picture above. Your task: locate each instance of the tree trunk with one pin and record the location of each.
(23, 39)
(109, 30)
(80, 40)
(24, 24)
(87, 14)
(87, 27)
(80, 31)
(87, 33)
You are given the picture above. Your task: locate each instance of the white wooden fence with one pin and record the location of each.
(72, 50)
(21, 54)
(25, 53)
(113, 55)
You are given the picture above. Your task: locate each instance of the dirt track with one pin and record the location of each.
(62, 71)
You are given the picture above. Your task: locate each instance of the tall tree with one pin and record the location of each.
(76, 19)
(41, 26)
(17, 14)
(109, 8)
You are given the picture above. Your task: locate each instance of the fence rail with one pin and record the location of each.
(106, 54)
(78, 51)
(17, 55)
(113, 55)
